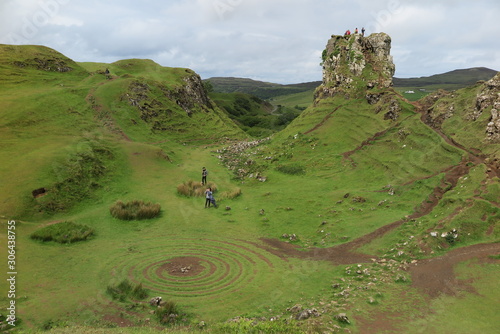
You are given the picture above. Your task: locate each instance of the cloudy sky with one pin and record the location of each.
(271, 40)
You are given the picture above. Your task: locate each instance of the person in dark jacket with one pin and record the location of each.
(204, 174)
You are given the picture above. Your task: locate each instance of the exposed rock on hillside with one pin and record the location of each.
(190, 95)
(353, 65)
(154, 101)
(489, 97)
(54, 64)
(443, 105)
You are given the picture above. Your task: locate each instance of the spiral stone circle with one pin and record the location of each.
(184, 267)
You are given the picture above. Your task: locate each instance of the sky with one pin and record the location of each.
(278, 41)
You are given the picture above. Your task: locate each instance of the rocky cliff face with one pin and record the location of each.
(489, 97)
(155, 101)
(355, 66)
(191, 95)
(482, 107)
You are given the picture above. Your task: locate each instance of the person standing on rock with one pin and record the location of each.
(204, 174)
(363, 32)
(356, 30)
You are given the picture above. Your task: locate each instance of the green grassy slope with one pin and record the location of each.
(256, 117)
(338, 172)
(53, 108)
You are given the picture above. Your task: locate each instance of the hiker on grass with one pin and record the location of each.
(204, 173)
(208, 197)
(212, 199)
(363, 31)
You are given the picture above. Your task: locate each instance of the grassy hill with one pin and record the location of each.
(61, 116)
(302, 94)
(263, 90)
(284, 102)
(452, 80)
(457, 78)
(257, 117)
(348, 210)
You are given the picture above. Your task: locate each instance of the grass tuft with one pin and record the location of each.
(135, 210)
(230, 194)
(293, 169)
(195, 189)
(65, 232)
(167, 313)
(125, 290)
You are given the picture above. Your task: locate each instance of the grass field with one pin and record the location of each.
(348, 203)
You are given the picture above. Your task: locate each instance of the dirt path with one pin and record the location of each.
(104, 115)
(475, 156)
(433, 276)
(436, 275)
(317, 126)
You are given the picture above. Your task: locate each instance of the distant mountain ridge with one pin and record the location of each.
(261, 89)
(462, 77)
(455, 79)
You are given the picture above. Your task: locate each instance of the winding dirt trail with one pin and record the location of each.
(433, 276)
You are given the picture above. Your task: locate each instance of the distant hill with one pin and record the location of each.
(452, 80)
(257, 117)
(261, 89)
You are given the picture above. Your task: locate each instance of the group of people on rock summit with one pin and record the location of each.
(209, 196)
(348, 32)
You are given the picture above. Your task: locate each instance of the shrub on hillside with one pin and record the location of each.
(195, 189)
(65, 232)
(167, 313)
(135, 210)
(230, 194)
(125, 290)
(293, 169)
(79, 175)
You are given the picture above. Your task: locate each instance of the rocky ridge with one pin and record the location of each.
(484, 107)
(354, 64)
(489, 97)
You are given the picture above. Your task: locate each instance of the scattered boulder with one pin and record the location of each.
(294, 309)
(358, 199)
(185, 269)
(39, 192)
(342, 317)
(306, 314)
(291, 237)
(155, 301)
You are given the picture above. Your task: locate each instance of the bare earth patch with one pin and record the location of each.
(184, 266)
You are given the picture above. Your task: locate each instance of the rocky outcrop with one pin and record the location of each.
(190, 95)
(353, 65)
(489, 98)
(156, 102)
(442, 105)
(49, 64)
